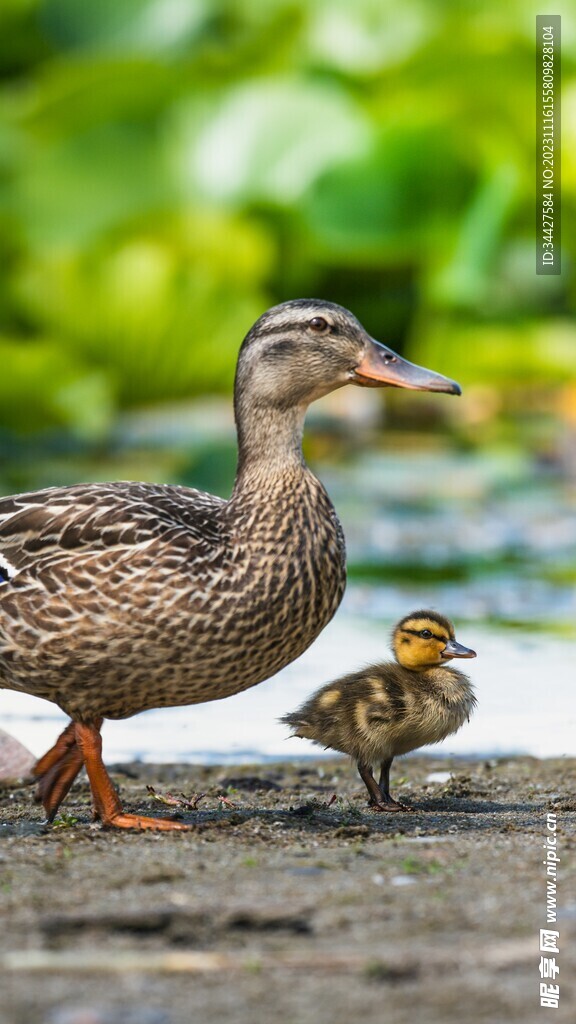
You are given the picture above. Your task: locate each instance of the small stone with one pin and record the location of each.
(439, 777)
(111, 1015)
(16, 761)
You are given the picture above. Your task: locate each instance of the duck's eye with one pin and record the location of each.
(319, 325)
(425, 634)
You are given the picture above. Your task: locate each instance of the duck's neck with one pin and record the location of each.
(269, 447)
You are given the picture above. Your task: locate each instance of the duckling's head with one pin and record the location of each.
(425, 639)
(303, 349)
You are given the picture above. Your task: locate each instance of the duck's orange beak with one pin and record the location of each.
(381, 367)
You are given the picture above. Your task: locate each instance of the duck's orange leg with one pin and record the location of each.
(107, 803)
(57, 770)
(65, 740)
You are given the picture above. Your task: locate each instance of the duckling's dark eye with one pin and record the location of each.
(425, 634)
(319, 324)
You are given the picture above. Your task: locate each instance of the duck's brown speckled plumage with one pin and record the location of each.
(119, 597)
(109, 582)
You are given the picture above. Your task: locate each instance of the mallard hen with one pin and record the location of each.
(118, 597)
(389, 709)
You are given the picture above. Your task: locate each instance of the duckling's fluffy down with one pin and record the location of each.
(385, 710)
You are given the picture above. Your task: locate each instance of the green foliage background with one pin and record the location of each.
(170, 168)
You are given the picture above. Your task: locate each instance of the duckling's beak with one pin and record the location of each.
(455, 650)
(381, 367)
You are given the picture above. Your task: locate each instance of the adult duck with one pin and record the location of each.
(119, 597)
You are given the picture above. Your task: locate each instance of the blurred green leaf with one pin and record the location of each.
(130, 26)
(502, 355)
(172, 305)
(88, 183)
(384, 206)
(43, 385)
(270, 142)
(465, 278)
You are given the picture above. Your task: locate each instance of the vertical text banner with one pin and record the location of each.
(548, 195)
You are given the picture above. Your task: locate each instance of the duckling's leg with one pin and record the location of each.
(378, 802)
(57, 770)
(107, 803)
(387, 802)
(380, 799)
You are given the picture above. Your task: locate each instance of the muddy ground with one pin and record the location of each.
(287, 903)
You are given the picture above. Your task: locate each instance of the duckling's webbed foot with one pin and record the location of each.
(380, 799)
(387, 803)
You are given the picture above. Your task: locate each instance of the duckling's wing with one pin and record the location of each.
(42, 527)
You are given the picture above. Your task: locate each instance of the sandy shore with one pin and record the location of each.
(290, 900)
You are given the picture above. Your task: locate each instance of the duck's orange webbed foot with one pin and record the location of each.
(107, 804)
(57, 770)
(142, 823)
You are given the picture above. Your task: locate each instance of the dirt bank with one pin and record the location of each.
(285, 904)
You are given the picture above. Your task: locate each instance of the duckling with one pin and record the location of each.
(124, 596)
(391, 708)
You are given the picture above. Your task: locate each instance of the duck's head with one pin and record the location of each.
(301, 350)
(424, 639)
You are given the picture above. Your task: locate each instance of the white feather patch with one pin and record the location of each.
(9, 569)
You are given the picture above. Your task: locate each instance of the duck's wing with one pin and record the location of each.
(42, 527)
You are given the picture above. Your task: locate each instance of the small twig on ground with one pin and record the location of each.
(224, 801)
(188, 803)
